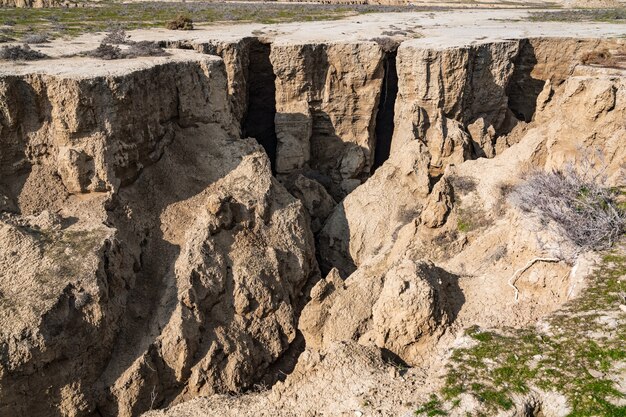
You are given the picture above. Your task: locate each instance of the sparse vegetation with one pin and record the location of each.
(431, 408)
(20, 53)
(464, 225)
(144, 48)
(462, 185)
(576, 202)
(134, 50)
(575, 357)
(106, 51)
(614, 15)
(181, 22)
(71, 21)
(472, 218)
(386, 43)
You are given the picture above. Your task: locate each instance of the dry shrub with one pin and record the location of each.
(463, 185)
(144, 48)
(36, 38)
(106, 51)
(601, 57)
(386, 43)
(115, 36)
(576, 202)
(135, 50)
(20, 53)
(181, 22)
(504, 190)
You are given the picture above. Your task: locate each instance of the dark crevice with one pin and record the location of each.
(385, 115)
(523, 90)
(259, 120)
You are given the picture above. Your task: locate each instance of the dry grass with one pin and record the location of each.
(181, 22)
(601, 57)
(576, 202)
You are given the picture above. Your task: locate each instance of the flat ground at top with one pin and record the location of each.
(432, 29)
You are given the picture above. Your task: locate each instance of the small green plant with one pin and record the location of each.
(431, 408)
(463, 225)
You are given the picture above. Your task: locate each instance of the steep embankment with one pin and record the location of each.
(166, 273)
(516, 102)
(152, 253)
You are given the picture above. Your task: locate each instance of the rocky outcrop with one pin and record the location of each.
(235, 55)
(242, 265)
(394, 308)
(461, 101)
(326, 101)
(318, 203)
(367, 221)
(453, 99)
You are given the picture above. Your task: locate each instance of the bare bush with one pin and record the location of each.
(181, 22)
(36, 38)
(116, 36)
(106, 51)
(20, 53)
(144, 48)
(386, 43)
(463, 184)
(583, 210)
(600, 57)
(134, 50)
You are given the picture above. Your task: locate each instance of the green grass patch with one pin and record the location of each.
(575, 358)
(431, 408)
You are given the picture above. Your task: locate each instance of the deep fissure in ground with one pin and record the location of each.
(259, 120)
(385, 115)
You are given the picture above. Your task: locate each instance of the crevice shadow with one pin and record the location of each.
(259, 121)
(522, 89)
(386, 111)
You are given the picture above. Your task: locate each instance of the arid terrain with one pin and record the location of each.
(383, 212)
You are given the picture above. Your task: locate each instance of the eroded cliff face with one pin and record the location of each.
(326, 101)
(156, 238)
(428, 244)
(161, 225)
(453, 105)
